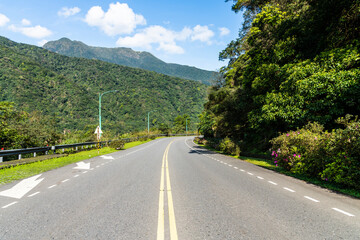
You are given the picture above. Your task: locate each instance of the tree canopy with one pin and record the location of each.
(295, 61)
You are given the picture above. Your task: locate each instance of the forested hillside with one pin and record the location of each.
(67, 90)
(294, 62)
(130, 58)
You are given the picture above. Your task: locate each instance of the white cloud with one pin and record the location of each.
(42, 42)
(153, 35)
(33, 32)
(224, 31)
(67, 12)
(202, 33)
(3, 20)
(119, 19)
(25, 22)
(166, 40)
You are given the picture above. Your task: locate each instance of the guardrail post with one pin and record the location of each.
(19, 157)
(76, 148)
(34, 154)
(1, 159)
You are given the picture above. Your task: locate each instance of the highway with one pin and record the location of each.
(172, 189)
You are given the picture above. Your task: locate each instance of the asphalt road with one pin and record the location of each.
(172, 189)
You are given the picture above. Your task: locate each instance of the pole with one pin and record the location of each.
(100, 111)
(149, 120)
(148, 123)
(100, 95)
(186, 127)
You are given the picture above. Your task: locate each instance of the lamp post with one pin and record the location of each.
(149, 121)
(186, 127)
(100, 95)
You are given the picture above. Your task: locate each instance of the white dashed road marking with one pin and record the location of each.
(6, 206)
(311, 199)
(343, 212)
(273, 183)
(288, 189)
(31, 195)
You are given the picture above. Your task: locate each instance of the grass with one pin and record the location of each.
(134, 144)
(269, 164)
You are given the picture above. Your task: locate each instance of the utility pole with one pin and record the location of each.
(149, 120)
(100, 95)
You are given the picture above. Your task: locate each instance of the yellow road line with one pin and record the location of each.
(172, 222)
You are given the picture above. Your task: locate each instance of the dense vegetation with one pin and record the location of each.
(130, 58)
(295, 62)
(64, 91)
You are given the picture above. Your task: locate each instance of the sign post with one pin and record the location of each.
(98, 132)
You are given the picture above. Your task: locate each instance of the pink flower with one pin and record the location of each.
(299, 156)
(276, 165)
(294, 155)
(287, 135)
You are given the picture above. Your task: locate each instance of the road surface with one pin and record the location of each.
(172, 189)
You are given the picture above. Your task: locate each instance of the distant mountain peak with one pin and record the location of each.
(128, 57)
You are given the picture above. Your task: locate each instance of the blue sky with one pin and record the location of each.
(189, 32)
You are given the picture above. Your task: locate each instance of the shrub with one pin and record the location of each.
(229, 147)
(117, 144)
(314, 152)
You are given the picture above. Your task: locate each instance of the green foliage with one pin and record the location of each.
(67, 90)
(295, 61)
(21, 130)
(314, 152)
(130, 58)
(180, 123)
(227, 146)
(117, 144)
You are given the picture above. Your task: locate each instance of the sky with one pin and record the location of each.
(188, 32)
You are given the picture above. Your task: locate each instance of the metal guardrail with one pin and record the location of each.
(46, 149)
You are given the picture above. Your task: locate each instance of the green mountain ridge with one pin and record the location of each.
(67, 88)
(130, 58)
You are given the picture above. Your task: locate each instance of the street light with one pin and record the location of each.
(149, 121)
(100, 95)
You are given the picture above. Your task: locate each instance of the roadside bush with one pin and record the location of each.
(229, 147)
(117, 144)
(311, 151)
(300, 151)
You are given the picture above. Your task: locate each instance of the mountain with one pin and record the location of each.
(68, 88)
(130, 58)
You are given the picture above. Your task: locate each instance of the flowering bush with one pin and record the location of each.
(314, 152)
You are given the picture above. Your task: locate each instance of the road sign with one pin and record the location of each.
(98, 132)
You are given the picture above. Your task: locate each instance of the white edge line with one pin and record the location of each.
(260, 177)
(65, 180)
(6, 206)
(52, 186)
(250, 173)
(31, 195)
(288, 189)
(343, 212)
(76, 175)
(311, 199)
(273, 183)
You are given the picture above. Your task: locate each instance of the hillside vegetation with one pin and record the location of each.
(130, 58)
(66, 90)
(295, 69)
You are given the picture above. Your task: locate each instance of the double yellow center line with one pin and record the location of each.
(161, 216)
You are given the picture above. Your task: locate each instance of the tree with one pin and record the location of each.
(180, 123)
